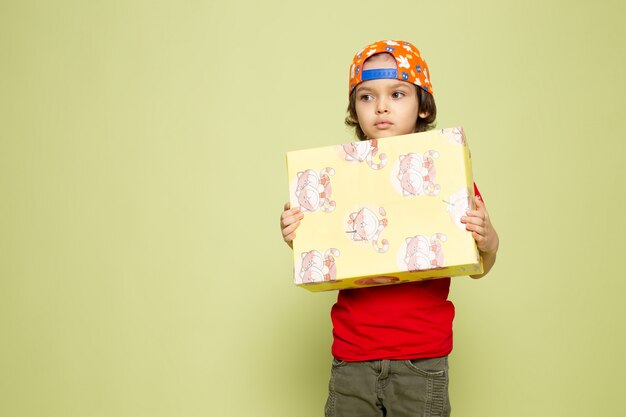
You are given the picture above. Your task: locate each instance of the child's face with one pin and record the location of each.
(386, 107)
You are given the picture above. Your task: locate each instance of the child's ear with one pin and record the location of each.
(423, 114)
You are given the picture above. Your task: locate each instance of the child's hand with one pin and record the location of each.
(289, 222)
(478, 222)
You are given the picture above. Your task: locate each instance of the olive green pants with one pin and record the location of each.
(391, 388)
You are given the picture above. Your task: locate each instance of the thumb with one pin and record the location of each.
(479, 202)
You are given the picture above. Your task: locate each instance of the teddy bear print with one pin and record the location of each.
(424, 253)
(417, 174)
(316, 267)
(365, 225)
(313, 190)
(364, 151)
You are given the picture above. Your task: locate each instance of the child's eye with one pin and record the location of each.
(398, 94)
(366, 97)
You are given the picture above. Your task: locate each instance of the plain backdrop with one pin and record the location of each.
(142, 175)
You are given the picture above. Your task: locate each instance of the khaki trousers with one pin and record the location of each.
(390, 388)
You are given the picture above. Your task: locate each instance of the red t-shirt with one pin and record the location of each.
(406, 321)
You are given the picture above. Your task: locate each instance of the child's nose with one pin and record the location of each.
(382, 106)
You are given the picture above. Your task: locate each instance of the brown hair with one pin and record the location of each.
(426, 103)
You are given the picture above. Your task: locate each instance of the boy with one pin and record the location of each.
(391, 343)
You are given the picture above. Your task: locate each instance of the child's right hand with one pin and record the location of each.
(289, 222)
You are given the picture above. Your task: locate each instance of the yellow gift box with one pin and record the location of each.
(381, 212)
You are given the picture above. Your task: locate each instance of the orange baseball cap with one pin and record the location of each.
(411, 66)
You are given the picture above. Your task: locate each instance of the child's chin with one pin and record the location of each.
(389, 133)
(383, 134)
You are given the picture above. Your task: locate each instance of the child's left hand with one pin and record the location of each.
(478, 222)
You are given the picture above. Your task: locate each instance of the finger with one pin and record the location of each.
(473, 220)
(291, 212)
(289, 238)
(475, 228)
(287, 207)
(291, 219)
(290, 229)
(478, 238)
(475, 214)
(479, 202)
(480, 206)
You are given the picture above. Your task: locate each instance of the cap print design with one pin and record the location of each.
(411, 66)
